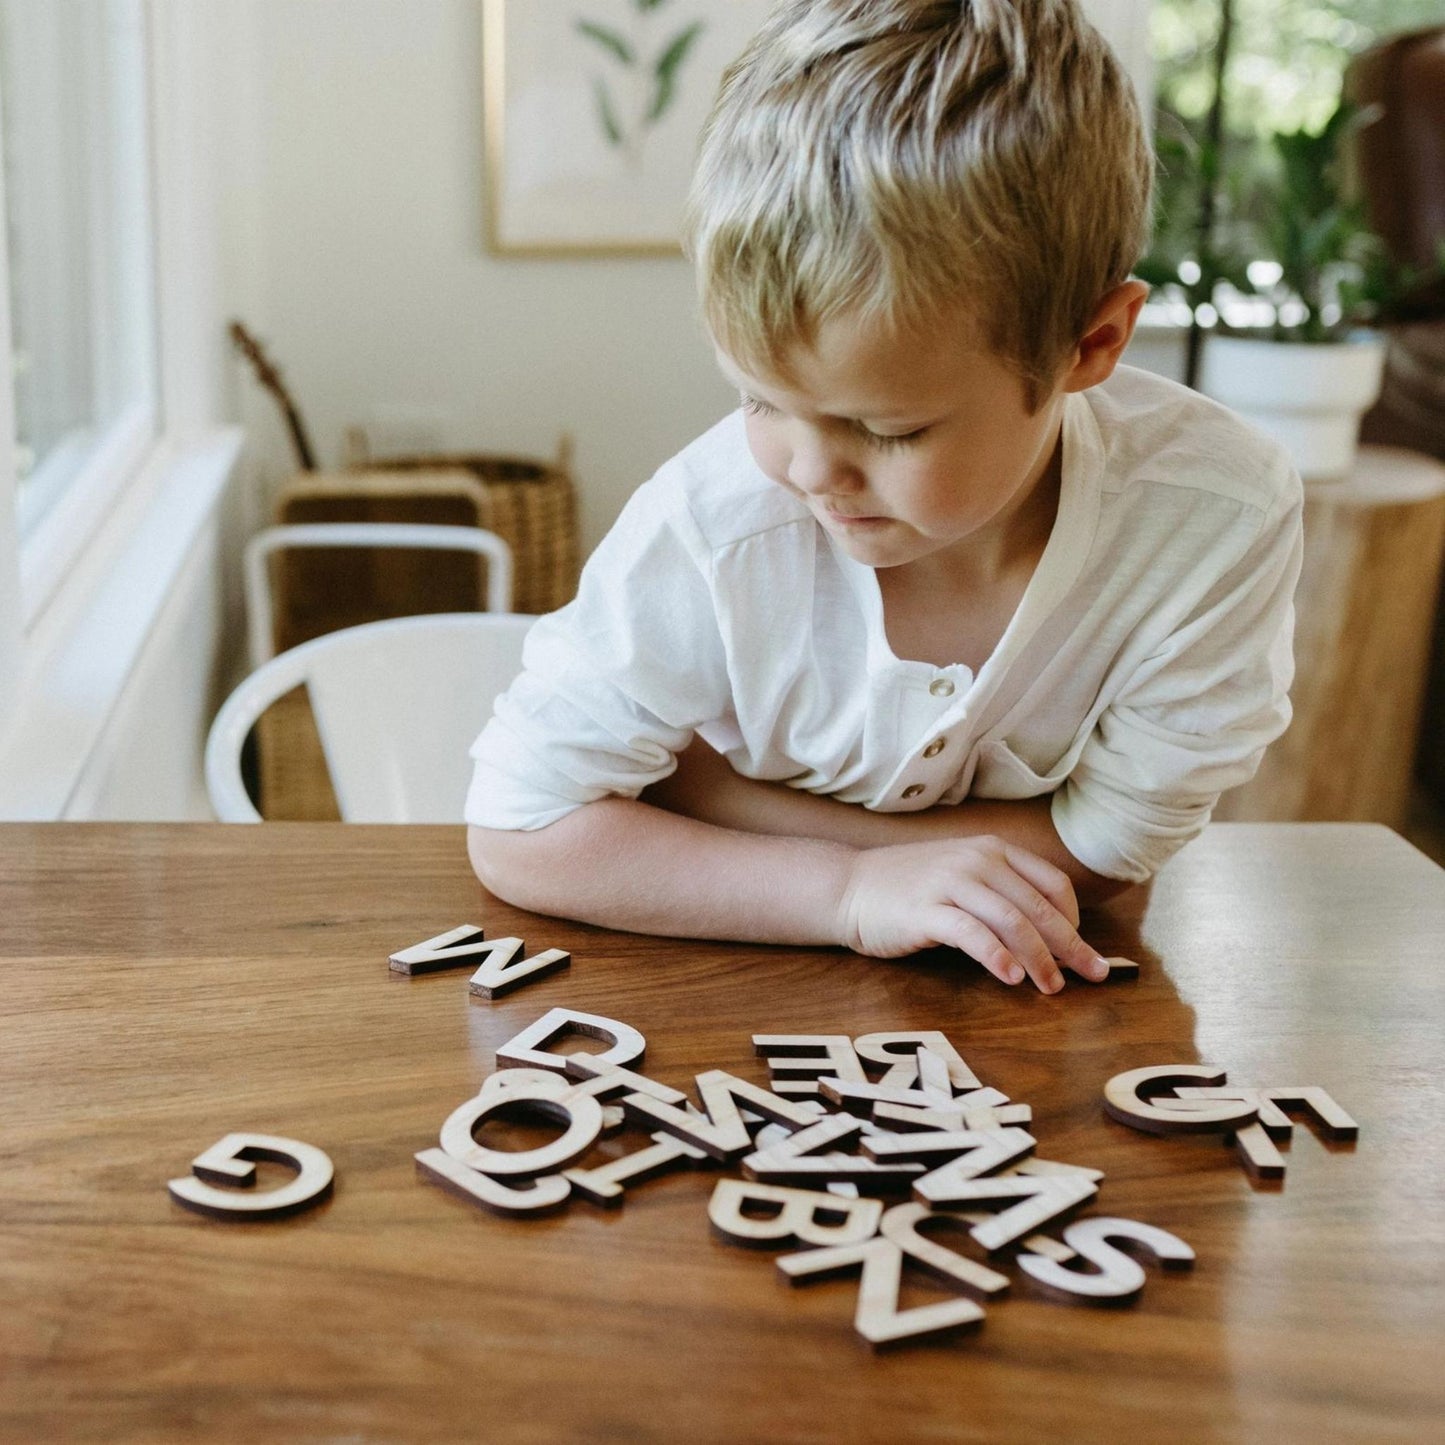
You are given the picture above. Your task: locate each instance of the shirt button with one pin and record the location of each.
(935, 747)
(941, 687)
(913, 790)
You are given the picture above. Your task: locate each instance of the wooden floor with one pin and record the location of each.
(1425, 827)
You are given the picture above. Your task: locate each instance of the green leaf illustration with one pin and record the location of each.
(609, 40)
(667, 66)
(606, 112)
(647, 5)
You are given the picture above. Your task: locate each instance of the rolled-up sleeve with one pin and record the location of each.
(1195, 717)
(613, 685)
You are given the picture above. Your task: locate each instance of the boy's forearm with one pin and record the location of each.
(710, 790)
(628, 865)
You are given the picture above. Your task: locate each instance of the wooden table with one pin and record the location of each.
(165, 985)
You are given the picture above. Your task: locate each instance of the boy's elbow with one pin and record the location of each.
(504, 862)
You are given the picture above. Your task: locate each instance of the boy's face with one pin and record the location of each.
(903, 447)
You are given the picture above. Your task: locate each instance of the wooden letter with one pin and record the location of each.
(900, 1225)
(228, 1162)
(603, 1185)
(1041, 1201)
(582, 1117)
(1049, 1166)
(605, 1080)
(723, 1133)
(863, 1098)
(1124, 1100)
(796, 1214)
(453, 949)
(971, 1152)
(1327, 1116)
(796, 1060)
(1275, 1122)
(1121, 970)
(538, 1197)
(1120, 1278)
(499, 974)
(797, 1160)
(888, 1048)
(1332, 1120)
(933, 1076)
(1257, 1152)
(978, 1103)
(878, 1318)
(529, 1048)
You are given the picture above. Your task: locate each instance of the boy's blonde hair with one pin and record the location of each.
(891, 159)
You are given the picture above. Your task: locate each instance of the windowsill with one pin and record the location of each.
(85, 645)
(58, 540)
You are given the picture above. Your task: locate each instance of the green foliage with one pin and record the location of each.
(608, 39)
(1186, 163)
(666, 68)
(607, 113)
(1331, 263)
(1284, 202)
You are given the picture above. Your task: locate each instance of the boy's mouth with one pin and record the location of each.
(849, 519)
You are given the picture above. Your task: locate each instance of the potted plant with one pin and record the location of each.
(1311, 365)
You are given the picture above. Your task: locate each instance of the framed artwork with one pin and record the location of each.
(593, 112)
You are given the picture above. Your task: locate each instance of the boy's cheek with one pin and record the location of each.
(772, 459)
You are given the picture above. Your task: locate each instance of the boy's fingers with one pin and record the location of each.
(1011, 923)
(1032, 926)
(1051, 881)
(956, 928)
(1061, 931)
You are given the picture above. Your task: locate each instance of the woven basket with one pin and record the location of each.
(532, 506)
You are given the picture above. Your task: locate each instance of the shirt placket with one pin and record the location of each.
(933, 708)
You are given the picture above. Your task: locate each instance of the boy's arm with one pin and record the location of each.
(625, 864)
(706, 788)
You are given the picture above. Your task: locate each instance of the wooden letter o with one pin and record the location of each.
(581, 1114)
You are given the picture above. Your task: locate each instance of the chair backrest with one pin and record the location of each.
(397, 704)
(259, 550)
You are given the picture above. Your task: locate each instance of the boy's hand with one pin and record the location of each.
(1008, 908)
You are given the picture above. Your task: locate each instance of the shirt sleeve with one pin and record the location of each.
(1196, 716)
(614, 684)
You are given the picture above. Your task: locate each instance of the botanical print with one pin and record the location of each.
(594, 108)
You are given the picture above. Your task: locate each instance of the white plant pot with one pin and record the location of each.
(1308, 395)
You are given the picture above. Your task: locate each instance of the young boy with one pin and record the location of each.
(956, 622)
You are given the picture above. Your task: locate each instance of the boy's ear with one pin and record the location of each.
(1106, 336)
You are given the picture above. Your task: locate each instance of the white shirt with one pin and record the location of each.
(1145, 670)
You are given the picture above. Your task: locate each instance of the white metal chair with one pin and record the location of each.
(269, 540)
(397, 703)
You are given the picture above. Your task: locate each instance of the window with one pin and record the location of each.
(1232, 75)
(1286, 57)
(76, 171)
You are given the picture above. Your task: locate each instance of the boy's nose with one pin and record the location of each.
(821, 471)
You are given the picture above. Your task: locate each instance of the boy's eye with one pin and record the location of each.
(754, 407)
(903, 440)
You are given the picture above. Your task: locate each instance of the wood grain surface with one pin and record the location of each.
(164, 986)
